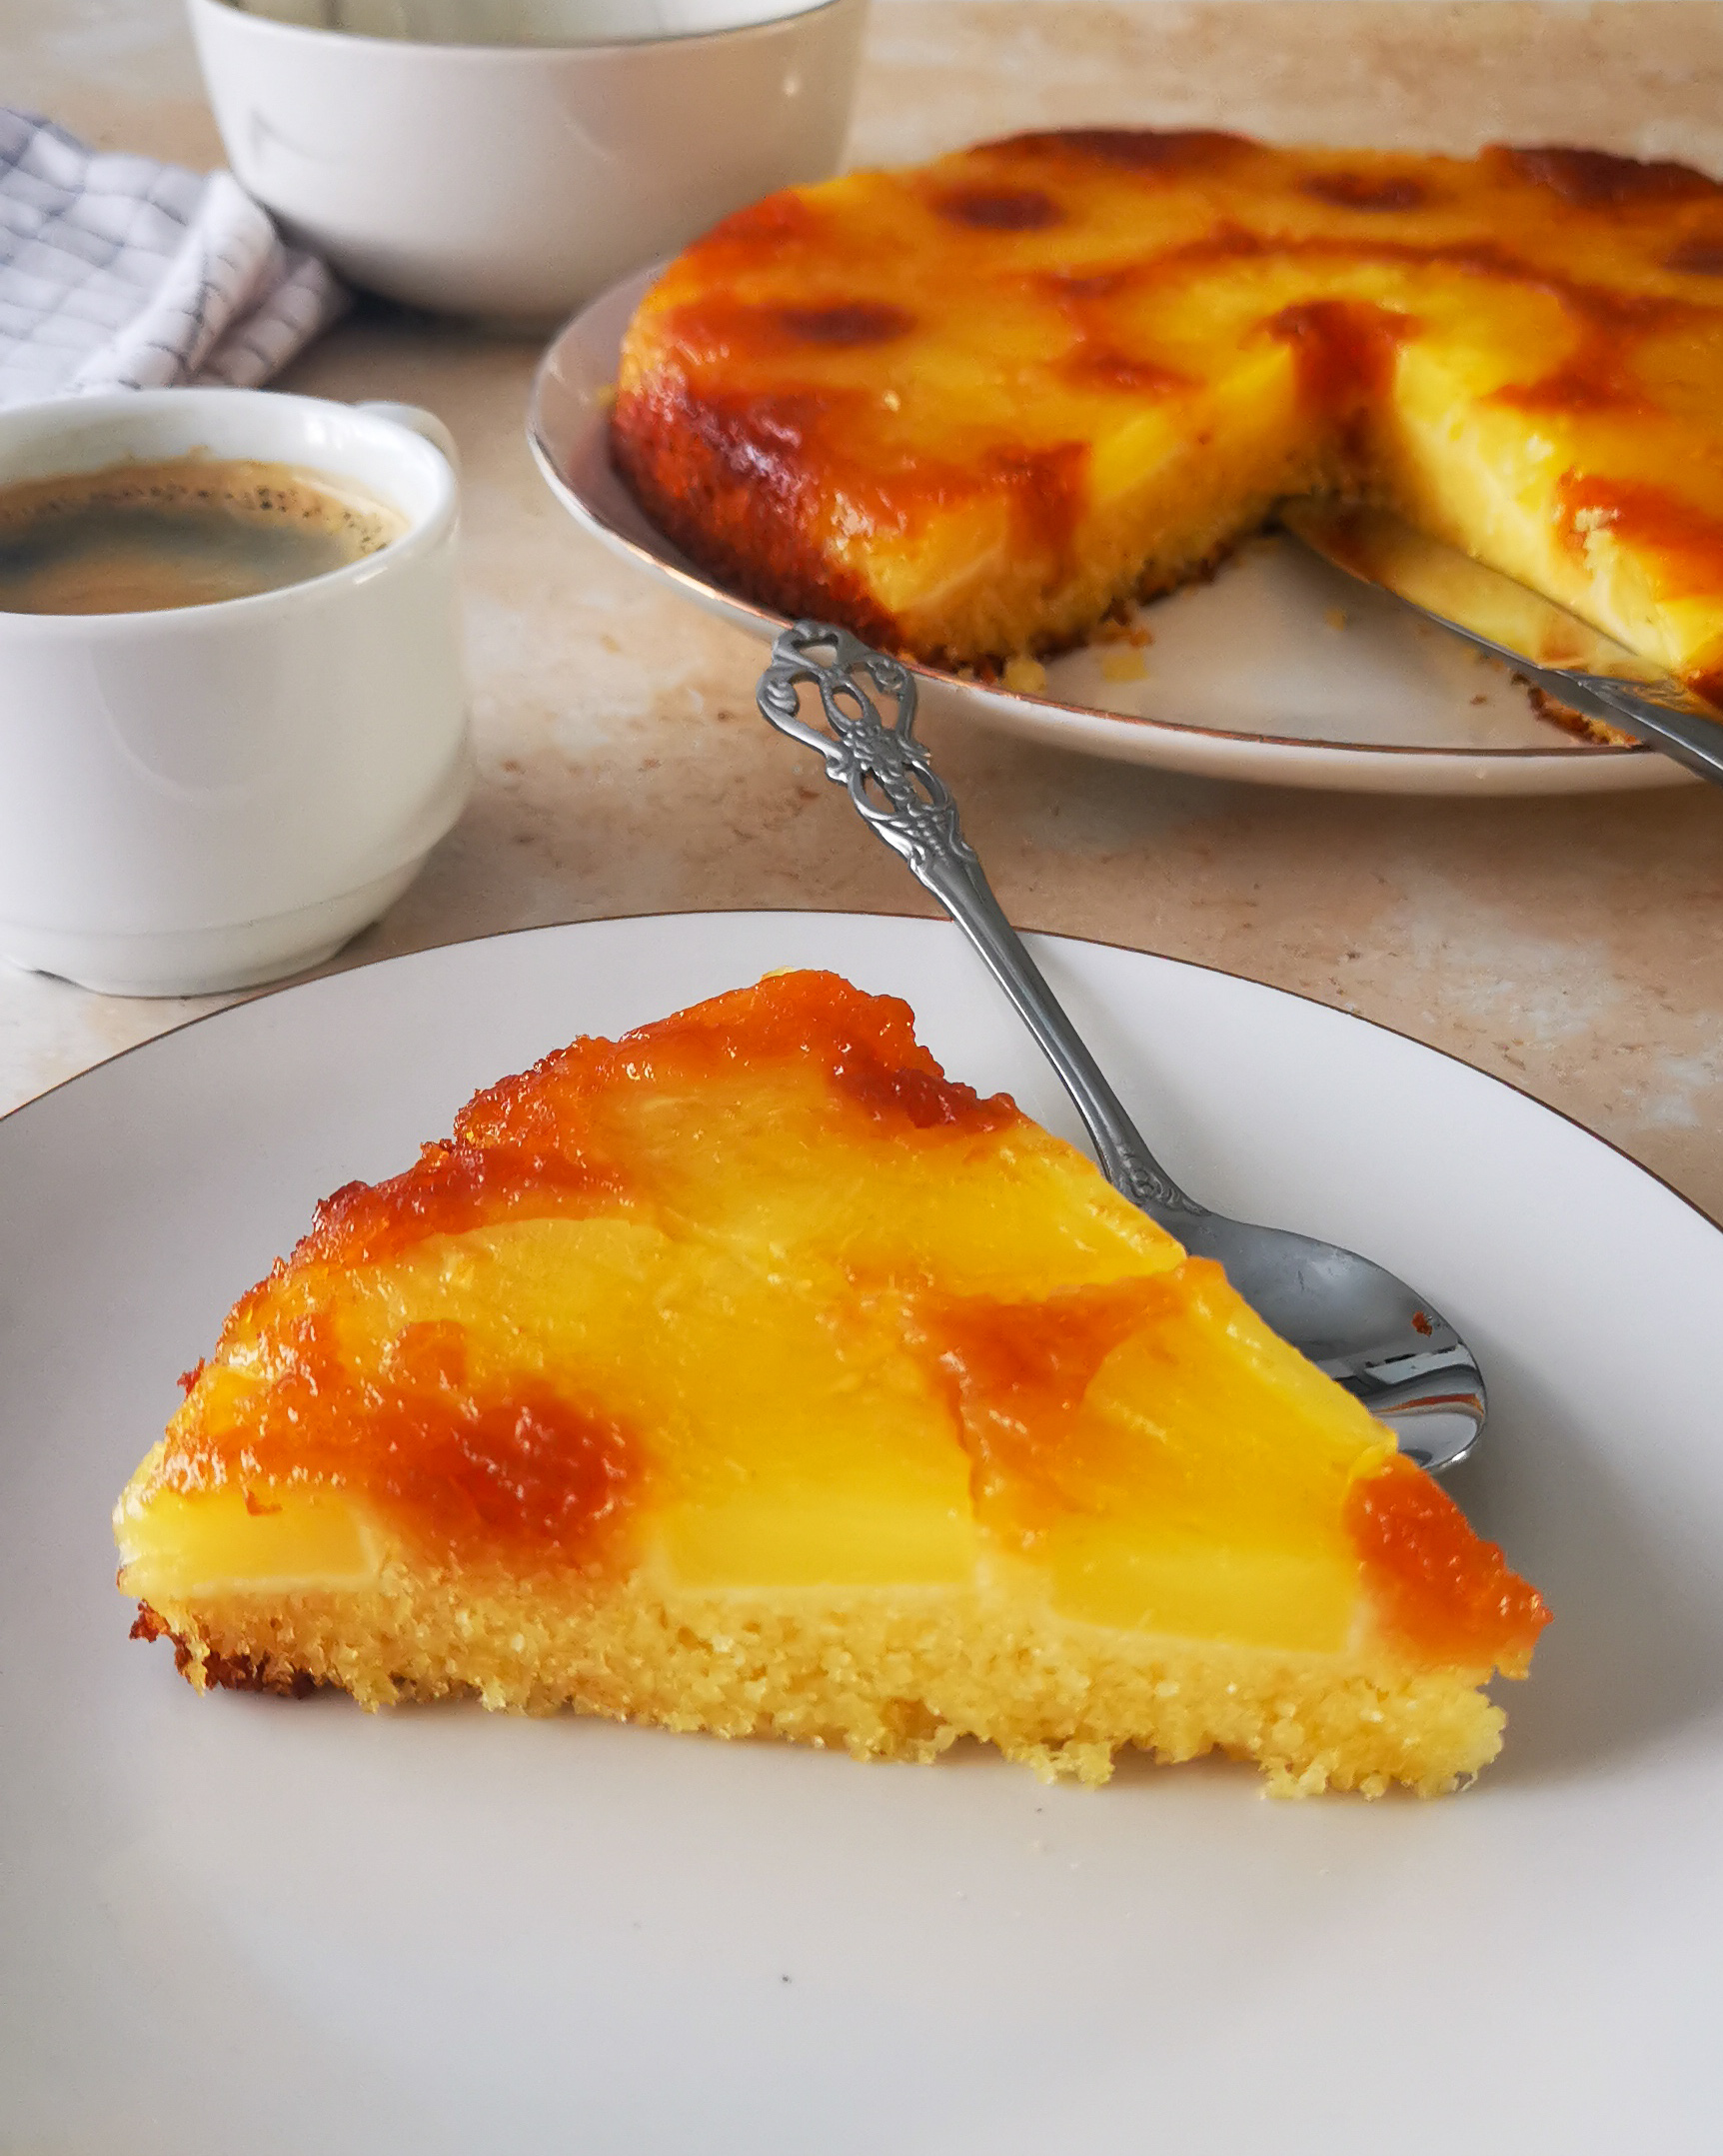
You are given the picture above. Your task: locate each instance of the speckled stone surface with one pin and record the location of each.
(1573, 947)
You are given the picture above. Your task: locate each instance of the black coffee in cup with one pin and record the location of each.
(137, 537)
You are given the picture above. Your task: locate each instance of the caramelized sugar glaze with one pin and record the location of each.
(967, 408)
(983, 1303)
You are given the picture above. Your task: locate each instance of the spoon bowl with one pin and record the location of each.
(1358, 1323)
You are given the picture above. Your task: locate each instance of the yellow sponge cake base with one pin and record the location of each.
(884, 1675)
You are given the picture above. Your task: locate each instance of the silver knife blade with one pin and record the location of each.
(1566, 658)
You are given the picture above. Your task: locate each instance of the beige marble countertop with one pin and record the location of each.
(1574, 947)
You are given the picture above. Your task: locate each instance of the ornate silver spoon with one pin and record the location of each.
(1384, 1343)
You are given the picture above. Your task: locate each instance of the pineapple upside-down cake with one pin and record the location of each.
(969, 408)
(747, 1375)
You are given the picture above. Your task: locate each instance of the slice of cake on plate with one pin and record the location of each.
(966, 409)
(747, 1375)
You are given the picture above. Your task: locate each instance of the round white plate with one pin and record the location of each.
(1281, 670)
(240, 1924)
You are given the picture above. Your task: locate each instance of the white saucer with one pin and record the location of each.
(1250, 677)
(239, 1924)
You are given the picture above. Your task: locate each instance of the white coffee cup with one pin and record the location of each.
(213, 796)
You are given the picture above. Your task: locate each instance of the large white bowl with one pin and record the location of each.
(514, 181)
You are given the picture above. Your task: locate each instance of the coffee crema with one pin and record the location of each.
(140, 537)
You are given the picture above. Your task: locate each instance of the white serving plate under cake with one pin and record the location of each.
(1280, 670)
(244, 1927)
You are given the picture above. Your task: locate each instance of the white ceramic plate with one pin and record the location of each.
(1250, 677)
(240, 1924)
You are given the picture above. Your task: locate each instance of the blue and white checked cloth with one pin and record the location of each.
(120, 273)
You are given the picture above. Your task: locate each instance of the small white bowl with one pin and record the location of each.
(513, 180)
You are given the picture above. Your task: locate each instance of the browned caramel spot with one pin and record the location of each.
(1048, 489)
(861, 322)
(1094, 366)
(454, 1188)
(1364, 191)
(717, 329)
(1140, 149)
(1596, 378)
(1000, 209)
(464, 1468)
(1077, 292)
(765, 225)
(528, 1470)
(923, 1099)
(1019, 1374)
(1344, 349)
(1432, 1580)
(865, 1044)
(1698, 257)
(1597, 179)
(1688, 542)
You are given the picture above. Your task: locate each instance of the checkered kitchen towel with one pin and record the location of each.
(119, 273)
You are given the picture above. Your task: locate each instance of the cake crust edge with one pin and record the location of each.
(1048, 1693)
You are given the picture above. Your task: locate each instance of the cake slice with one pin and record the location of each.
(967, 408)
(747, 1375)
